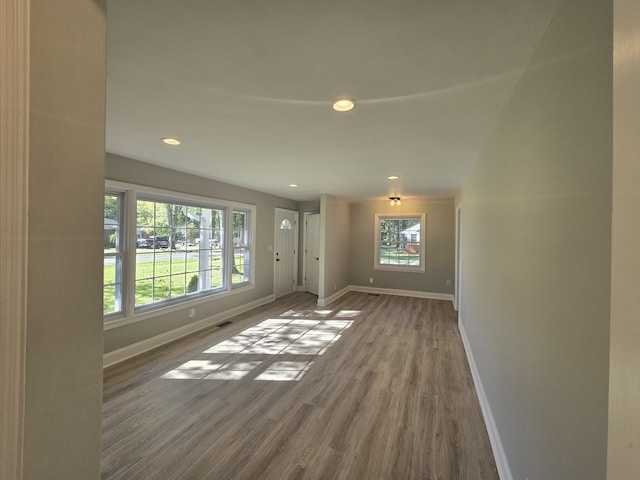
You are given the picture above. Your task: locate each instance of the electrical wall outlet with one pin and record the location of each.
(370, 279)
(192, 312)
(448, 283)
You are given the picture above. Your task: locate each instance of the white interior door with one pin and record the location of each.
(285, 257)
(312, 254)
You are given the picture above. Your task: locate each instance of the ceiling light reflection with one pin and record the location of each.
(171, 141)
(343, 104)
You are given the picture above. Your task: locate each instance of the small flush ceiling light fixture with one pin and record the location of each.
(293, 185)
(393, 177)
(343, 104)
(171, 141)
(393, 201)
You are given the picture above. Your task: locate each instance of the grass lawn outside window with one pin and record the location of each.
(172, 247)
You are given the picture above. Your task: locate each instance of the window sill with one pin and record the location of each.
(399, 268)
(121, 321)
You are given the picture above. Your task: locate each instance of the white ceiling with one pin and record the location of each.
(246, 86)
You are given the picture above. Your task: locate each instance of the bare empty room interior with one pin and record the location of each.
(317, 240)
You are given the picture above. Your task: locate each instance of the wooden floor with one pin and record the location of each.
(370, 387)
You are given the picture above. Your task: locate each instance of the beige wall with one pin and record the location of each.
(624, 382)
(536, 248)
(131, 171)
(63, 381)
(439, 243)
(335, 230)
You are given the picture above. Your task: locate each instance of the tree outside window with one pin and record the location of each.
(399, 242)
(113, 254)
(172, 248)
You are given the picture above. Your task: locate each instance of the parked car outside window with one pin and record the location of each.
(142, 243)
(158, 242)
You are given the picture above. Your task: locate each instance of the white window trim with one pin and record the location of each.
(376, 239)
(131, 314)
(122, 253)
(251, 246)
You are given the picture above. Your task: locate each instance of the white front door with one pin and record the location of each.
(312, 254)
(285, 251)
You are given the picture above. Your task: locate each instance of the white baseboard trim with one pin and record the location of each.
(322, 302)
(504, 472)
(132, 350)
(402, 293)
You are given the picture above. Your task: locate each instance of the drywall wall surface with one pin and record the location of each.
(624, 382)
(131, 171)
(141, 173)
(439, 246)
(63, 384)
(335, 230)
(536, 251)
(309, 206)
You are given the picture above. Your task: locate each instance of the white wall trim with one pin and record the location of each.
(143, 346)
(183, 304)
(323, 302)
(458, 259)
(402, 293)
(14, 210)
(504, 472)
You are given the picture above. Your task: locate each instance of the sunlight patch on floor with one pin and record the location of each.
(285, 371)
(300, 334)
(276, 336)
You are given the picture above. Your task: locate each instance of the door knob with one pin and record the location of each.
(277, 259)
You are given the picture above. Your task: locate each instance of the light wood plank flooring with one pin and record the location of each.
(370, 387)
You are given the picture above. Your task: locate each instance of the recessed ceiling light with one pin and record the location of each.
(343, 104)
(171, 141)
(293, 185)
(393, 177)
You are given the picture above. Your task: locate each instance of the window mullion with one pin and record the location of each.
(228, 248)
(129, 274)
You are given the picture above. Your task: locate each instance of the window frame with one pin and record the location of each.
(173, 201)
(247, 246)
(378, 217)
(119, 255)
(131, 193)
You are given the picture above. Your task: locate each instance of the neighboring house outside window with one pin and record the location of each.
(399, 242)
